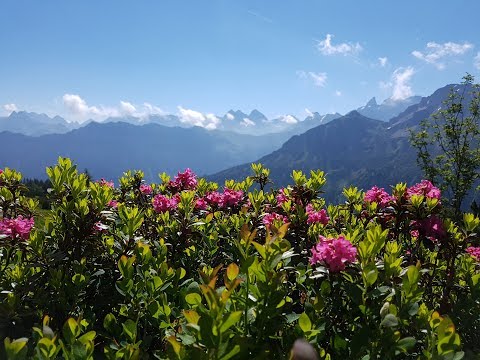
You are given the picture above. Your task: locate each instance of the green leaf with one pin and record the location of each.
(389, 320)
(16, 349)
(70, 330)
(406, 343)
(193, 299)
(304, 322)
(89, 336)
(130, 329)
(232, 319)
(232, 271)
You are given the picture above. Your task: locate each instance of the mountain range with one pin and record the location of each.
(352, 150)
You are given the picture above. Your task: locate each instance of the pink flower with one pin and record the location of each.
(113, 204)
(186, 180)
(281, 197)
(99, 227)
(104, 182)
(214, 198)
(269, 218)
(474, 251)
(201, 204)
(316, 216)
(17, 227)
(378, 195)
(431, 228)
(424, 188)
(334, 253)
(146, 189)
(231, 197)
(1, 171)
(162, 203)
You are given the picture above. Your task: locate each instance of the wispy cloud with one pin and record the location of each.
(338, 93)
(436, 54)
(325, 47)
(9, 108)
(401, 83)
(383, 61)
(319, 78)
(78, 108)
(476, 60)
(196, 118)
(260, 16)
(247, 122)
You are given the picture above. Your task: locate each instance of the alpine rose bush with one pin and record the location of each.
(475, 252)
(161, 203)
(146, 189)
(16, 227)
(315, 217)
(269, 218)
(378, 195)
(334, 253)
(424, 188)
(186, 180)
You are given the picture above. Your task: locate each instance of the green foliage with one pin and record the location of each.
(104, 275)
(448, 143)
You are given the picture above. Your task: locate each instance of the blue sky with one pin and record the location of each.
(91, 59)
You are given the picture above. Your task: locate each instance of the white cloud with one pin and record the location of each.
(435, 53)
(9, 108)
(230, 116)
(308, 112)
(196, 118)
(326, 48)
(476, 60)
(319, 79)
(247, 122)
(288, 119)
(338, 93)
(81, 111)
(383, 61)
(127, 108)
(401, 83)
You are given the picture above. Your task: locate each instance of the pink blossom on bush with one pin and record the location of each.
(269, 218)
(432, 228)
(146, 189)
(424, 188)
(104, 182)
(378, 195)
(474, 251)
(281, 197)
(186, 180)
(231, 197)
(315, 217)
(161, 203)
(16, 227)
(334, 253)
(201, 204)
(214, 198)
(99, 227)
(113, 203)
(1, 171)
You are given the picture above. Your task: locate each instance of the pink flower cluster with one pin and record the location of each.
(228, 198)
(315, 217)
(281, 197)
(334, 253)
(185, 181)
(113, 204)
(424, 188)
(146, 189)
(161, 203)
(432, 228)
(379, 196)
(16, 227)
(201, 204)
(269, 218)
(1, 171)
(475, 252)
(104, 182)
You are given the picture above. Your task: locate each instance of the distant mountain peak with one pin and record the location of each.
(256, 115)
(372, 102)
